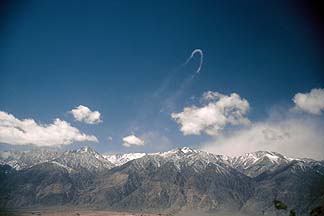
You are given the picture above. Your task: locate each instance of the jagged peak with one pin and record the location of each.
(262, 154)
(183, 150)
(266, 158)
(86, 149)
(119, 159)
(188, 150)
(82, 150)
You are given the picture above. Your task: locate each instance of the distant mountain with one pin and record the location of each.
(84, 158)
(25, 159)
(253, 164)
(120, 159)
(181, 179)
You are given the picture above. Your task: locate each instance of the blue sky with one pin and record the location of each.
(124, 59)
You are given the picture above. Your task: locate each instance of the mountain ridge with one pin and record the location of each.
(175, 180)
(19, 159)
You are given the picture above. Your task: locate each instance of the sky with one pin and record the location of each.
(144, 76)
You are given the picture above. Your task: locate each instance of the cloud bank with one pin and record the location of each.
(26, 131)
(216, 112)
(295, 137)
(132, 140)
(291, 133)
(312, 102)
(84, 114)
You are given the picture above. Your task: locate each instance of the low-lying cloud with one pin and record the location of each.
(216, 112)
(293, 136)
(27, 131)
(84, 114)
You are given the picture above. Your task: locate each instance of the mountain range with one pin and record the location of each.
(178, 180)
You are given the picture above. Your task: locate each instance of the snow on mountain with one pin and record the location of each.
(183, 158)
(120, 159)
(24, 159)
(191, 155)
(69, 169)
(178, 155)
(253, 164)
(179, 178)
(84, 158)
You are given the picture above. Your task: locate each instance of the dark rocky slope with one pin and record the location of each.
(178, 180)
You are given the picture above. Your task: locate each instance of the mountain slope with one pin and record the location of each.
(84, 158)
(25, 159)
(298, 184)
(254, 164)
(181, 179)
(43, 184)
(169, 181)
(120, 159)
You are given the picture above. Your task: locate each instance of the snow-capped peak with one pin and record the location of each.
(188, 150)
(120, 159)
(177, 151)
(85, 149)
(255, 163)
(84, 157)
(251, 164)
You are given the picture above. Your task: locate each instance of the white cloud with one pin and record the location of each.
(26, 131)
(218, 110)
(110, 139)
(291, 136)
(312, 102)
(132, 140)
(84, 114)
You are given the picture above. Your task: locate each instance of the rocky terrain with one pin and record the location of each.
(170, 182)
(79, 213)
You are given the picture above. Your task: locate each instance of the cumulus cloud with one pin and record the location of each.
(132, 140)
(312, 102)
(26, 131)
(84, 114)
(216, 112)
(292, 136)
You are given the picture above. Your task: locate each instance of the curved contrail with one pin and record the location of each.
(192, 55)
(168, 102)
(164, 100)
